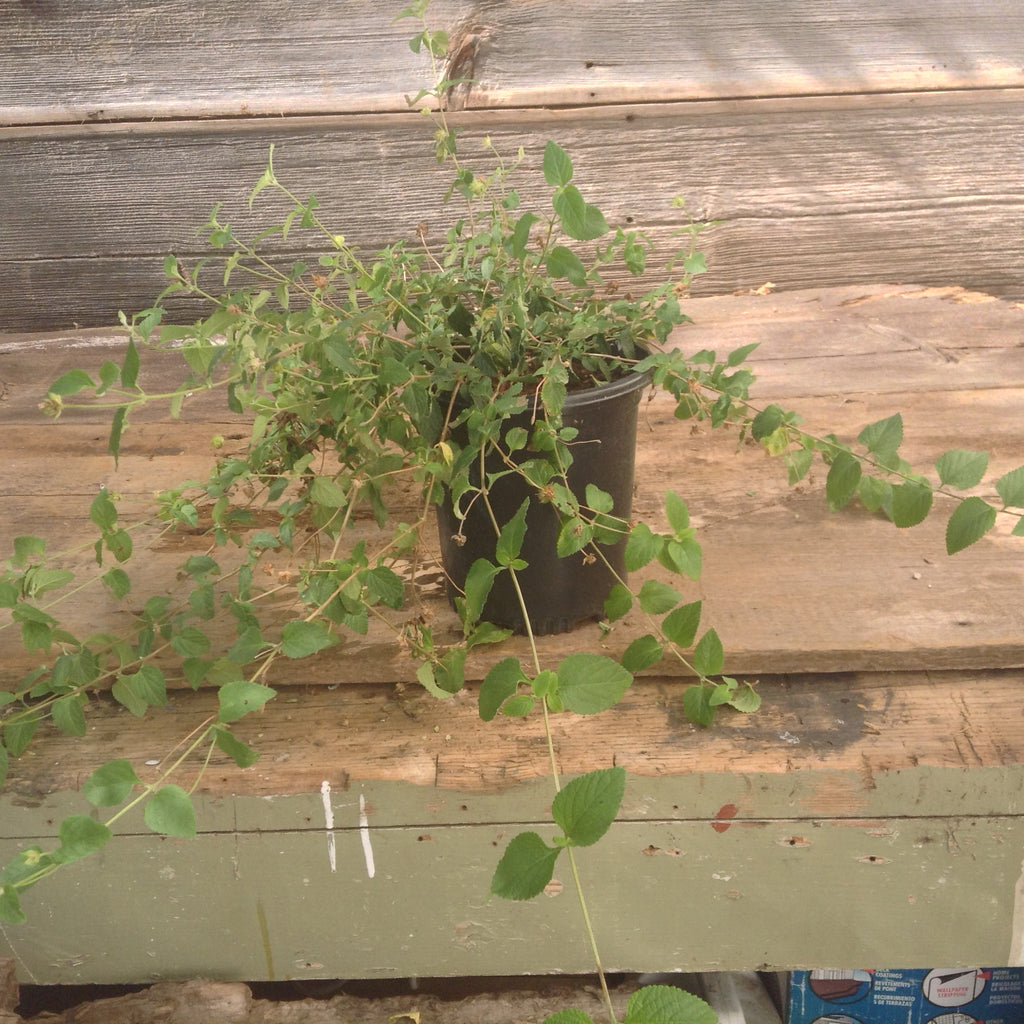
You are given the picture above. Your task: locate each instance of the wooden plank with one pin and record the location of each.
(97, 60)
(808, 192)
(892, 599)
(866, 811)
(675, 896)
(842, 746)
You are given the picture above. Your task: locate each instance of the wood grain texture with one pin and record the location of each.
(880, 786)
(889, 599)
(98, 61)
(812, 192)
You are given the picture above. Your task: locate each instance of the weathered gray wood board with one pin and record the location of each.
(848, 143)
(872, 813)
(813, 191)
(100, 61)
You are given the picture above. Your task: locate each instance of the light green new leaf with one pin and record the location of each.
(238, 698)
(972, 519)
(79, 836)
(666, 1004)
(111, 783)
(299, 638)
(745, 699)
(585, 808)
(961, 469)
(525, 867)
(169, 811)
(589, 683)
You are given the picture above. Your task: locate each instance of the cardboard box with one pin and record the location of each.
(956, 995)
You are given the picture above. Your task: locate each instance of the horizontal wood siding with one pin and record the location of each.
(97, 60)
(833, 191)
(836, 143)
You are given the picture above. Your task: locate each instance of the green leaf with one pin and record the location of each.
(745, 699)
(884, 437)
(4, 765)
(697, 704)
(500, 683)
(642, 653)
(841, 483)
(241, 696)
(519, 706)
(18, 733)
(26, 547)
(618, 602)
(911, 503)
(326, 491)
(68, 715)
(680, 626)
(117, 427)
(39, 580)
(970, 521)
(666, 1004)
(766, 422)
(961, 469)
(570, 1016)
(479, 581)
(190, 642)
(79, 836)
(247, 646)
(1010, 487)
(589, 683)
(708, 656)
(244, 756)
(169, 811)
(557, 165)
(585, 807)
(299, 638)
(579, 219)
(384, 586)
(111, 783)
(684, 557)
(130, 367)
(642, 547)
(71, 383)
(510, 540)
(10, 906)
(739, 355)
(564, 263)
(677, 512)
(117, 582)
(657, 597)
(525, 867)
(119, 544)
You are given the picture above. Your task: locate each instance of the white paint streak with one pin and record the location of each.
(364, 835)
(325, 793)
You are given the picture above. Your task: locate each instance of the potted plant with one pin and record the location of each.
(450, 377)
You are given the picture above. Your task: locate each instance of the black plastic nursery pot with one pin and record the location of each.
(559, 593)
